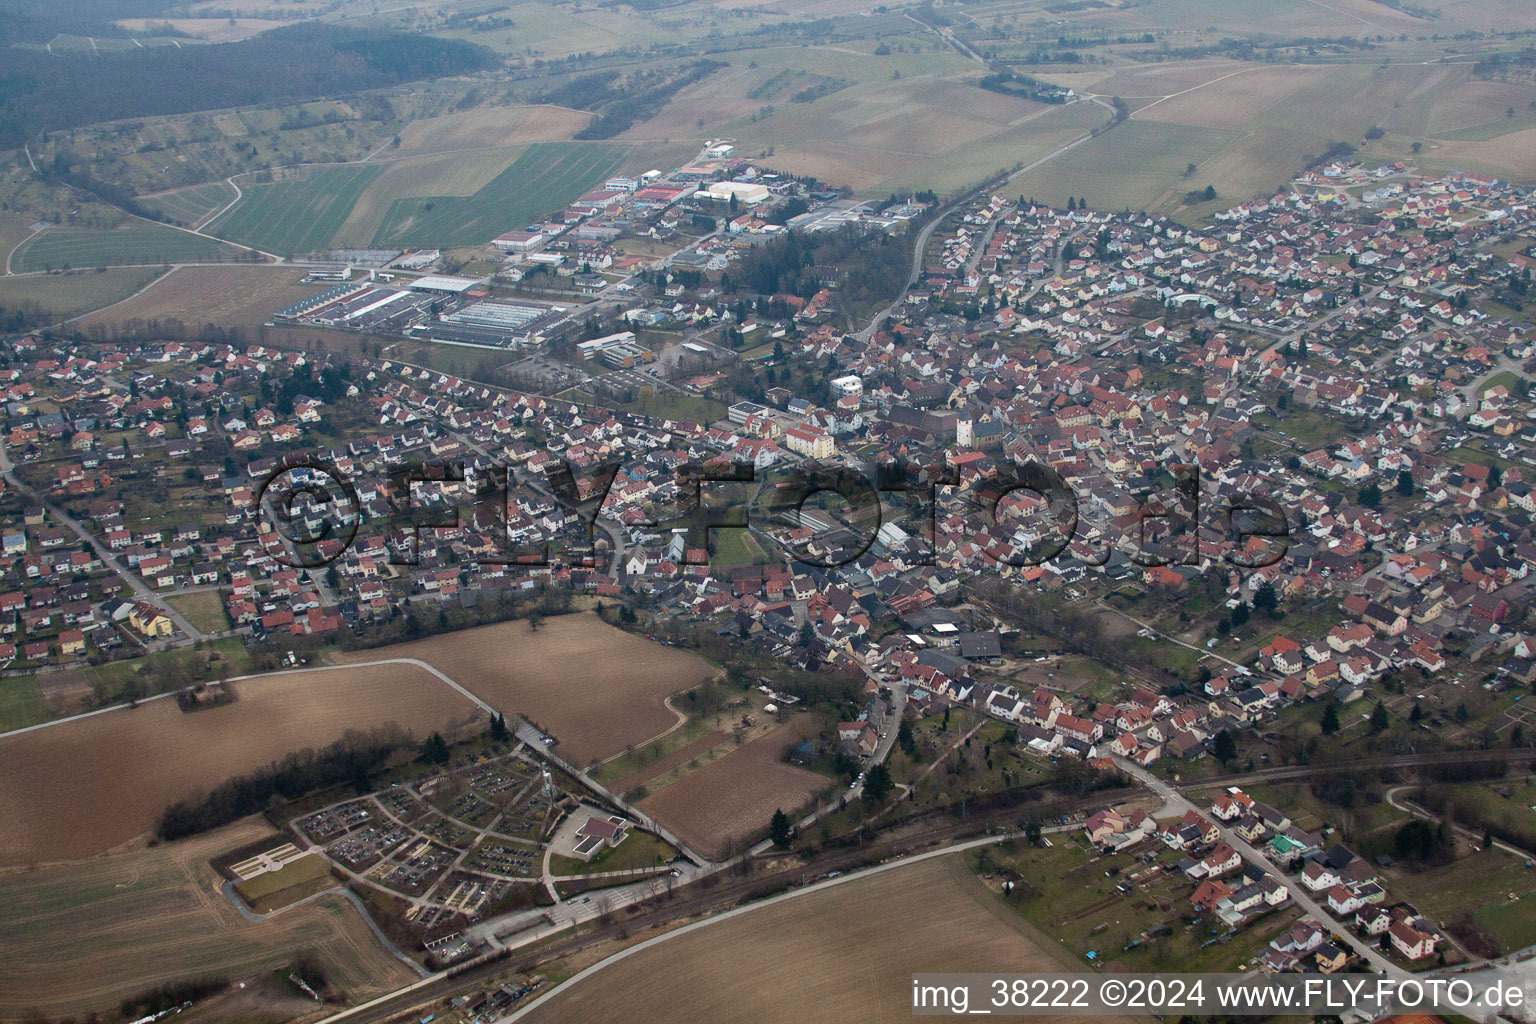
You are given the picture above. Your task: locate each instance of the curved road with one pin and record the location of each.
(926, 233)
(139, 587)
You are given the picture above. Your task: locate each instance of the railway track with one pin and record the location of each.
(918, 833)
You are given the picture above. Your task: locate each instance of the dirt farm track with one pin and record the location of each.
(597, 689)
(844, 954)
(82, 787)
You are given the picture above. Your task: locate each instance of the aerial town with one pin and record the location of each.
(543, 605)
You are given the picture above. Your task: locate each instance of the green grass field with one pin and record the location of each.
(136, 242)
(292, 882)
(291, 217)
(191, 204)
(546, 177)
(1483, 884)
(21, 703)
(67, 295)
(640, 850)
(736, 547)
(1508, 378)
(205, 610)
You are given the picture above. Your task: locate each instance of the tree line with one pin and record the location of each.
(43, 91)
(350, 759)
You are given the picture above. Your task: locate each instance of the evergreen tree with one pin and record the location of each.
(1405, 483)
(877, 783)
(435, 749)
(779, 829)
(1379, 717)
(1266, 599)
(1330, 721)
(905, 739)
(1224, 746)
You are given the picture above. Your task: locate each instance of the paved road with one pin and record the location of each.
(535, 740)
(923, 236)
(1177, 803)
(139, 587)
(314, 576)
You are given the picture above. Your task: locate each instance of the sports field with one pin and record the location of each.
(844, 953)
(597, 689)
(82, 787)
(298, 216)
(79, 937)
(136, 242)
(542, 180)
(190, 205)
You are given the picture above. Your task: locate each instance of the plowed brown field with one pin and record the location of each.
(79, 937)
(734, 797)
(597, 689)
(846, 953)
(82, 787)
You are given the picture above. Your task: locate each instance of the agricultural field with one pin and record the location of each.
(237, 296)
(107, 928)
(85, 786)
(848, 951)
(488, 128)
(14, 229)
(134, 243)
(544, 178)
(1249, 128)
(927, 129)
(595, 688)
(758, 781)
(1280, 18)
(555, 32)
(1132, 165)
(188, 206)
(79, 291)
(437, 175)
(207, 30)
(299, 215)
